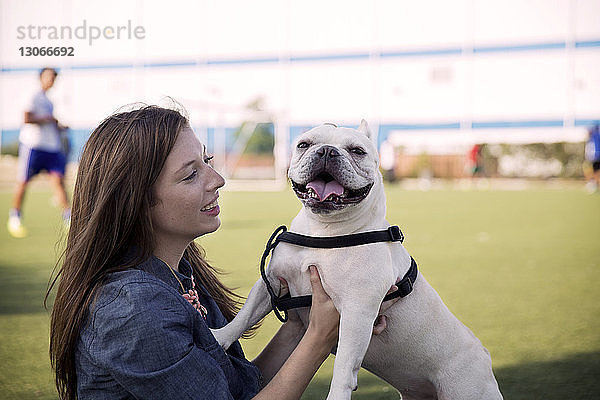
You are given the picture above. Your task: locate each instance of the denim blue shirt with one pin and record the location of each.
(143, 340)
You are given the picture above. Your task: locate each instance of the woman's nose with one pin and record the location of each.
(217, 181)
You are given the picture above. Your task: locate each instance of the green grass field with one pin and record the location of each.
(520, 268)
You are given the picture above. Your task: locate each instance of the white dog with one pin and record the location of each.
(425, 352)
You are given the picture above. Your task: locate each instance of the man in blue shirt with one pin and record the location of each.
(592, 155)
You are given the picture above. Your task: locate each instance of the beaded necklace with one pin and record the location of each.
(192, 295)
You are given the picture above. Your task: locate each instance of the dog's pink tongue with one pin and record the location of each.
(323, 189)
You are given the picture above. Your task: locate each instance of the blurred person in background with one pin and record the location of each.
(41, 148)
(136, 297)
(474, 164)
(592, 156)
(387, 161)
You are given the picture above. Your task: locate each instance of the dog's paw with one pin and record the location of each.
(221, 338)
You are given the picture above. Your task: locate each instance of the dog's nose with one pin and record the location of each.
(328, 151)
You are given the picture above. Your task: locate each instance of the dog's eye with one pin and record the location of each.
(303, 145)
(358, 151)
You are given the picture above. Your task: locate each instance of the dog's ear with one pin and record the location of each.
(364, 128)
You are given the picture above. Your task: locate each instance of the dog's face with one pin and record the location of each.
(333, 168)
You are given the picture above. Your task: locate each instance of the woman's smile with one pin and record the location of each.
(212, 208)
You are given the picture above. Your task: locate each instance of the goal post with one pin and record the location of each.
(231, 131)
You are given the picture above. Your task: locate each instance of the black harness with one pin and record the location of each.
(392, 234)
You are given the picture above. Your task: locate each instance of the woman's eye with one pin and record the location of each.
(302, 145)
(191, 176)
(208, 159)
(358, 151)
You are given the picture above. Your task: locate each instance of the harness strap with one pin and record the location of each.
(285, 303)
(391, 234)
(405, 286)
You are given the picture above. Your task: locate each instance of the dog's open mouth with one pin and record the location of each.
(325, 192)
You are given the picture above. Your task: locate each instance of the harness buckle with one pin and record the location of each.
(395, 234)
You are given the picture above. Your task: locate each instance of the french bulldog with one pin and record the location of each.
(425, 352)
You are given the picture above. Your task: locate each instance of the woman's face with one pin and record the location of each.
(186, 192)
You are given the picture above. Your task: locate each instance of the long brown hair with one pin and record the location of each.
(111, 215)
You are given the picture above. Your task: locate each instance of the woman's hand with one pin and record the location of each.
(378, 326)
(291, 379)
(381, 321)
(294, 323)
(324, 318)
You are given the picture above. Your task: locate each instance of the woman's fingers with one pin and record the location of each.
(380, 324)
(293, 316)
(381, 321)
(321, 297)
(393, 288)
(324, 317)
(321, 302)
(387, 304)
(284, 288)
(315, 283)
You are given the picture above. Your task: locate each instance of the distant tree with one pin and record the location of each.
(262, 140)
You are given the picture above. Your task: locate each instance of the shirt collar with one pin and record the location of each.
(161, 270)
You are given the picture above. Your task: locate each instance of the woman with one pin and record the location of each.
(136, 297)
